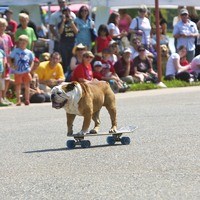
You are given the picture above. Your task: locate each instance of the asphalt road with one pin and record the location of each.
(162, 161)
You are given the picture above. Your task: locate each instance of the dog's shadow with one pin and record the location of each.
(76, 148)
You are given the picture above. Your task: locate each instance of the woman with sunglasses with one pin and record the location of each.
(141, 27)
(83, 72)
(84, 24)
(143, 67)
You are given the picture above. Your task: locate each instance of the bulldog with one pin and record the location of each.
(85, 99)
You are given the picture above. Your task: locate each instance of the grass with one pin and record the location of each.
(169, 84)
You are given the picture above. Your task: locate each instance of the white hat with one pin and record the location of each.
(184, 11)
(127, 50)
(112, 42)
(97, 63)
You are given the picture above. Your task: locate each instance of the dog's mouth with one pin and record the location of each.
(58, 105)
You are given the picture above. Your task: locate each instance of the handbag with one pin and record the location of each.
(93, 34)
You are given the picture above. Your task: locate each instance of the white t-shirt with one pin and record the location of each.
(145, 26)
(115, 29)
(170, 68)
(194, 63)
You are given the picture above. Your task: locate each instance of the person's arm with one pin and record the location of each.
(180, 68)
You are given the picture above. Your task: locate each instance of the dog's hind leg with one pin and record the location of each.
(97, 122)
(113, 117)
(70, 120)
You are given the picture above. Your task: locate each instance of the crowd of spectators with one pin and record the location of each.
(122, 51)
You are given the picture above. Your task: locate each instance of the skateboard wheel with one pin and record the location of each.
(110, 140)
(85, 143)
(125, 140)
(71, 144)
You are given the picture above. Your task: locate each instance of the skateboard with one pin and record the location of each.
(111, 139)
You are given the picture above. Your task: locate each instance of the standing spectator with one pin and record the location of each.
(84, 24)
(141, 26)
(67, 31)
(21, 59)
(103, 39)
(25, 30)
(6, 45)
(12, 24)
(37, 95)
(174, 69)
(55, 19)
(50, 72)
(125, 20)
(2, 80)
(124, 67)
(83, 72)
(30, 24)
(113, 28)
(185, 31)
(143, 67)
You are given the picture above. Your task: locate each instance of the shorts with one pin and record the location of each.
(2, 82)
(23, 78)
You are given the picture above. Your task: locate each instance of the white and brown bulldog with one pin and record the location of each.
(85, 99)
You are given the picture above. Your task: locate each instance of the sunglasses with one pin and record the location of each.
(84, 10)
(142, 50)
(88, 57)
(80, 49)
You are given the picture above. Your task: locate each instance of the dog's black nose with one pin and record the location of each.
(52, 96)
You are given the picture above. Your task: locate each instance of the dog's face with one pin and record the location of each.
(61, 94)
(164, 50)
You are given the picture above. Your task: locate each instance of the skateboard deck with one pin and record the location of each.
(126, 129)
(111, 139)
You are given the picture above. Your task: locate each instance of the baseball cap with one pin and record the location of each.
(97, 63)
(143, 8)
(112, 42)
(184, 11)
(88, 53)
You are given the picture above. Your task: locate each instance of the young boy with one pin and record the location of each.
(25, 30)
(2, 77)
(22, 60)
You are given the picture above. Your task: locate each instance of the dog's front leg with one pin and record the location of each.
(70, 120)
(86, 122)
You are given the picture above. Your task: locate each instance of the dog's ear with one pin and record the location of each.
(69, 87)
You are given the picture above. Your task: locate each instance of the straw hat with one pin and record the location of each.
(78, 46)
(88, 53)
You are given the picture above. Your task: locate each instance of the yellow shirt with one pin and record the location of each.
(46, 73)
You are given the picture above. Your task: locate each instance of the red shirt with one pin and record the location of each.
(82, 72)
(97, 75)
(12, 26)
(102, 43)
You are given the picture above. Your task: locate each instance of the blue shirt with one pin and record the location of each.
(22, 59)
(188, 29)
(83, 36)
(2, 56)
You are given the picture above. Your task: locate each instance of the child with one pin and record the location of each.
(22, 60)
(2, 77)
(6, 45)
(103, 39)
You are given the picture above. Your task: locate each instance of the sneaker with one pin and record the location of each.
(7, 101)
(2, 104)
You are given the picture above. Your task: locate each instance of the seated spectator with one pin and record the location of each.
(195, 66)
(124, 67)
(83, 72)
(143, 67)
(77, 51)
(135, 44)
(37, 95)
(108, 71)
(50, 72)
(114, 49)
(174, 69)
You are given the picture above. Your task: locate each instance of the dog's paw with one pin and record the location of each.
(93, 131)
(113, 130)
